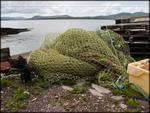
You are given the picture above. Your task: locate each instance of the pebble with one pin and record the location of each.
(100, 98)
(83, 95)
(66, 104)
(56, 97)
(67, 88)
(143, 107)
(118, 98)
(34, 99)
(2, 109)
(2, 92)
(113, 106)
(123, 106)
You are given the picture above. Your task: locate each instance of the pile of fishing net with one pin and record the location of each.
(78, 53)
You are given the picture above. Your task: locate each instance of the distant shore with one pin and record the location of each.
(9, 31)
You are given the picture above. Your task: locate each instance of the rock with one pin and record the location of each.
(95, 93)
(34, 99)
(123, 106)
(66, 104)
(2, 109)
(2, 92)
(143, 107)
(26, 92)
(118, 98)
(101, 89)
(83, 95)
(67, 88)
(56, 97)
(113, 106)
(100, 98)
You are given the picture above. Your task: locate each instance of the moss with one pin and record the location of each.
(127, 92)
(132, 102)
(78, 89)
(5, 83)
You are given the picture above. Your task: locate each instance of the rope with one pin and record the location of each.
(118, 83)
(112, 42)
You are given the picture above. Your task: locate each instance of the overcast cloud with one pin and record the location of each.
(72, 8)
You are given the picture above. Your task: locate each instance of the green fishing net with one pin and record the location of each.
(78, 53)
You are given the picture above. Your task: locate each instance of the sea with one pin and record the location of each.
(33, 39)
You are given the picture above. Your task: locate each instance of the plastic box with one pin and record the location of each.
(139, 74)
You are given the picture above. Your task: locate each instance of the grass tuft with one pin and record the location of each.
(132, 102)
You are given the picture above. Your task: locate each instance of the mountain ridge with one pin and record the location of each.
(113, 16)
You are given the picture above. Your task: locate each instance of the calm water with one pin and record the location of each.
(31, 40)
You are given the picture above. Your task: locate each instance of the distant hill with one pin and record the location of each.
(13, 18)
(114, 16)
(50, 17)
(123, 15)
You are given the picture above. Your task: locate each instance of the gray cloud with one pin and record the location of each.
(73, 8)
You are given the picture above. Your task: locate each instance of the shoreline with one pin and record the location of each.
(25, 55)
(11, 31)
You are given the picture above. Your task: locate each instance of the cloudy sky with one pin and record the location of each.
(72, 8)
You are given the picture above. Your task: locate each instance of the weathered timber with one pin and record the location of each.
(135, 32)
(142, 43)
(132, 20)
(5, 57)
(5, 54)
(143, 25)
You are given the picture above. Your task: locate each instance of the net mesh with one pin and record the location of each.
(79, 53)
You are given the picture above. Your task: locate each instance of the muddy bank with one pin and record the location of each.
(8, 31)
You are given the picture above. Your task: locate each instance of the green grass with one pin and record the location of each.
(128, 92)
(68, 82)
(38, 86)
(43, 84)
(131, 110)
(18, 98)
(53, 102)
(17, 101)
(78, 89)
(5, 83)
(20, 95)
(83, 98)
(132, 102)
